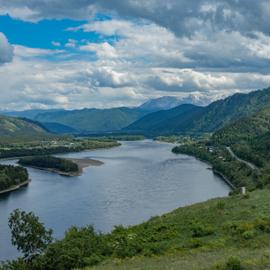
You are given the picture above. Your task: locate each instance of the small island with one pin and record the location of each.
(12, 178)
(62, 166)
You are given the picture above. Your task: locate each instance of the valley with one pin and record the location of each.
(198, 153)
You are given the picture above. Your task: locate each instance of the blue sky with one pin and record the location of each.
(49, 34)
(99, 53)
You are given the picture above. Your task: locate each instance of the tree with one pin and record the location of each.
(28, 234)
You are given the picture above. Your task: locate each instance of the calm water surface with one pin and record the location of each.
(138, 180)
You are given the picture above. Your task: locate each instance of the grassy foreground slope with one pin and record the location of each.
(203, 236)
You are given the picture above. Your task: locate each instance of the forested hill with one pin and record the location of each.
(10, 126)
(222, 112)
(210, 118)
(249, 137)
(93, 120)
(245, 129)
(166, 121)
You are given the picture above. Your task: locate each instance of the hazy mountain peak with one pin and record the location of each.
(169, 102)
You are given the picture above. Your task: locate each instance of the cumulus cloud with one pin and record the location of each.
(205, 48)
(181, 16)
(39, 83)
(6, 50)
(153, 45)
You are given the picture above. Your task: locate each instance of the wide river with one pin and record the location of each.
(137, 181)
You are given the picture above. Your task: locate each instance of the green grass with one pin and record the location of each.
(204, 236)
(258, 259)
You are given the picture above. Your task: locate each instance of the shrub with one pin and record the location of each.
(154, 249)
(194, 243)
(262, 225)
(246, 196)
(221, 205)
(92, 260)
(248, 234)
(200, 230)
(233, 263)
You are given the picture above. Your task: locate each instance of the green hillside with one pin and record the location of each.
(222, 112)
(166, 121)
(207, 119)
(244, 129)
(93, 120)
(249, 137)
(240, 151)
(10, 126)
(221, 234)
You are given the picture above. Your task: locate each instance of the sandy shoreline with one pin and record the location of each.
(84, 163)
(81, 162)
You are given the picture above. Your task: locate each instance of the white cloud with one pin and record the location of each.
(36, 83)
(210, 48)
(26, 52)
(56, 43)
(71, 43)
(6, 50)
(103, 50)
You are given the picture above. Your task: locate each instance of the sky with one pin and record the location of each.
(76, 54)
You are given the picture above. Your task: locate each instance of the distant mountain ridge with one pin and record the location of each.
(162, 103)
(169, 102)
(207, 119)
(149, 119)
(92, 120)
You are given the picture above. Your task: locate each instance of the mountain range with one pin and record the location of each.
(202, 119)
(96, 120)
(153, 117)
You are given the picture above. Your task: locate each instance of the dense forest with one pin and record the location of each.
(49, 162)
(12, 176)
(249, 137)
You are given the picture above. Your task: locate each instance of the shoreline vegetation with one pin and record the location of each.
(226, 231)
(16, 187)
(11, 177)
(52, 147)
(234, 172)
(79, 164)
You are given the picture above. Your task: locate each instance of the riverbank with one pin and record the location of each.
(82, 164)
(232, 171)
(119, 190)
(54, 148)
(222, 233)
(16, 187)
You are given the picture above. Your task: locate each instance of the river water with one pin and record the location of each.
(137, 181)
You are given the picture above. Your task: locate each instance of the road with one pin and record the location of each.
(252, 166)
